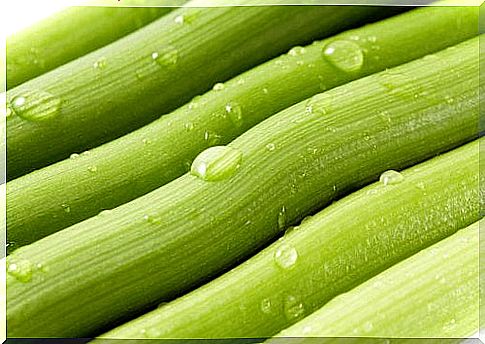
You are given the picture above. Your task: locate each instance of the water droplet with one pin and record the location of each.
(166, 57)
(151, 219)
(179, 19)
(21, 270)
(282, 218)
(306, 219)
(146, 141)
(66, 207)
(266, 306)
(36, 106)
(449, 99)
(105, 212)
(92, 169)
(218, 87)
(74, 156)
(344, 55)
(293, 308)
(285, 256)
(391, 177)
(212, 138)
(234, 112)
(372, 39)
(100, 63)
(216, 163)
(189, 126)
(40, 267)
(270, 147)
(296, 51)
(86, 153)
(265, 90)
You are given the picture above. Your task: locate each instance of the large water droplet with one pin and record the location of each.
(391, 177)
(285, 256)
(234, 112)
(293, 308)
(21, 270)
(36, 106)
(216, 163)
(344, 55)
(266, 306)
(166, 56)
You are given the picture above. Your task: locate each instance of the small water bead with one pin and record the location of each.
(306, 219)
(282, 218)
(151, 219)
(86, 153)
(293, 308)
(179, 19)
(166, 57)
(285, 256)
(265, 90)
(212, 138)
(104, 213)
(296, 51)
(270, 147)
(146, 141)
(100, 63)
(234, 111)
(218, 87)
(36, 106)
(344, 55)
(74, 156)
(92, 169)
(66, 208)
(391, 177)
(189, 126)
(266, 306)
(40, 267)
(21, 270)
(216, 163)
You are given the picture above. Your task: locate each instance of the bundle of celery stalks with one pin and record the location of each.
(244, 172)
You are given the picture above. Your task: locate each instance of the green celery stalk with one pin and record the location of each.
(345, 244)
(239, 197)
(69, 34)
(434, 293)
(152, 71)
(69, 192)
